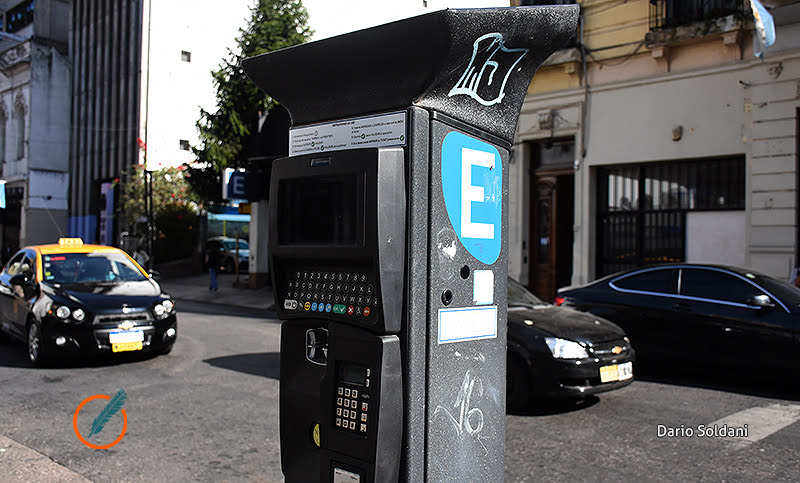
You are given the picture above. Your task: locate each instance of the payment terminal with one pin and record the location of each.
(337, 241)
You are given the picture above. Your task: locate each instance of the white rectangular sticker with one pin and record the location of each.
(344, 476)
(467, 323)
(358, 132)
(483, 287)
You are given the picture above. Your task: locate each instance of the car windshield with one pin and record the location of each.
(519, 296)
(89, 267)
(231, 245)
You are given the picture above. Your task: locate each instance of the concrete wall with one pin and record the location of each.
(178, 89)
(50, 104)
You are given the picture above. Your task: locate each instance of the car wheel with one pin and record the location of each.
(518, 385)
(227, 265)
(36, 351)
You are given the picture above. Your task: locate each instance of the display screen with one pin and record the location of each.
(320, 211)
(353, 374)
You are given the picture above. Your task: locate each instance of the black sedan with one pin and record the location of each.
(90, 299)
(688, 313)
(560, 352)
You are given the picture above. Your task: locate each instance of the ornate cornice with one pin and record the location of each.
(17, 54)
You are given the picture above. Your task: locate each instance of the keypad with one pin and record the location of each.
(346, 293)
(352, 412)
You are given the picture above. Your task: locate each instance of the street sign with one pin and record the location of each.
(234, 184)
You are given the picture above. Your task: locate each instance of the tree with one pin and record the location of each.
(175, 209)
(274, 25)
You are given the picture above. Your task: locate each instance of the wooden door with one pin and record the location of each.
(543, 236)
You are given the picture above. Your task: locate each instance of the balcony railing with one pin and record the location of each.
(669, 14)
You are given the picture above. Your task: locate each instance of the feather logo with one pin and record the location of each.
(112, 408)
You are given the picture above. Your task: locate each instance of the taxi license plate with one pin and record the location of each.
(126, 346)
(616, 372)
(126, 340)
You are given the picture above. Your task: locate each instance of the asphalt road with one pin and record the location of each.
(209, 412)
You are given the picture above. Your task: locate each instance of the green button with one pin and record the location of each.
(339, 309)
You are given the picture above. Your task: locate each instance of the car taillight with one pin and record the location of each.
(559, 301)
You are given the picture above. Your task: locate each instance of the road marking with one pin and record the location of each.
(760, 421)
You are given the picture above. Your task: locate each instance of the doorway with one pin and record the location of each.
(552, 214)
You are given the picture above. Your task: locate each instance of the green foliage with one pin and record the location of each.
(175, 209)
(274, 24)
(169, 187)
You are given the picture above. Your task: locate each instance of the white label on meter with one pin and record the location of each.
(467, 323)
(358, 132)
(344, 476)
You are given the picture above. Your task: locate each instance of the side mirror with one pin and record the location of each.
(761, 301)
(21, 279)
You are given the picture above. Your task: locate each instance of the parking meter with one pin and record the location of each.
(387, 241)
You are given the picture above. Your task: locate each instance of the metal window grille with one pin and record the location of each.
(642, 208)
(666, 14)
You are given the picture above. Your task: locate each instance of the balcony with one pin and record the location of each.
(672, 21)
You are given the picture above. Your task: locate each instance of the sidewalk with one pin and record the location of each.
(195, 288)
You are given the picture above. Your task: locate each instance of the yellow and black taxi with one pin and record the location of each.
(85, 299)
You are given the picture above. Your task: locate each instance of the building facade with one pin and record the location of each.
(142, 71)
(659, 136)
(34, 121)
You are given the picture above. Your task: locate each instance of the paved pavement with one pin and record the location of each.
(195, 288)
(21, 463)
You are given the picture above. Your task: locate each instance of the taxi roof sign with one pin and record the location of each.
(70, 242)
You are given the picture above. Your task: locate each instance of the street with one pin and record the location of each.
(209, 412)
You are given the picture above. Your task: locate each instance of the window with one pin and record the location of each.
(3, 120)
(20, 123)
(716, 285)
(19, 17)
(186, 56)
(642, 208)
(13, 266)
(656, 281)
(184, 145)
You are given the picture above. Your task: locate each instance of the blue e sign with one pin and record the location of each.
(472, 184)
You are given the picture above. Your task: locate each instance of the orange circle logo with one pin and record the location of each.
(83, 440)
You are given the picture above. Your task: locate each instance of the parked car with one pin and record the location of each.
(227, 249)
(557, 351)
(86, 299)
(682, 312)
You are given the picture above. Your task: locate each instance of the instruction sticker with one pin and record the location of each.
(358, 132)
(467, 323)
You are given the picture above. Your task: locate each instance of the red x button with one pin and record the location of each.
(350, 310)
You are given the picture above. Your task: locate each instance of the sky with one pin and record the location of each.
(329, 18)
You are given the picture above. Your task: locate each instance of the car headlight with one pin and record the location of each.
(566, 349)
(164, 308)
(63, 312)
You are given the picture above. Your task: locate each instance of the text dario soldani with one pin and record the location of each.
(702, 431)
